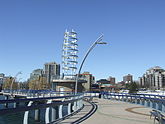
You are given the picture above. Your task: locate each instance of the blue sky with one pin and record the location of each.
(31, 33)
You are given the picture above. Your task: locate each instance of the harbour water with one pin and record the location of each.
(17, 118)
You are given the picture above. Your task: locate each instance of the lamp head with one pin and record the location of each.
(101, 42)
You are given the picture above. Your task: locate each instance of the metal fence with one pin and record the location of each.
(53, 105)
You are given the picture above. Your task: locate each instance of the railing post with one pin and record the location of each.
(127, 99)
(122, 97)
(69, 108)
(60, 109)
(136, 101)
(115, 97)
(15, 104)
(74, 105)
(25, 121)
(108, 96)
(146, 103)
(151, 104)
(54, 114)
(6, 104)
(157, 105)
(141, 101)
(37, 115)
(131, 100)
(81, 103)
(163, 107)
(47, 112)
(78, 103)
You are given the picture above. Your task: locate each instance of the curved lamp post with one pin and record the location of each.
(98, 41)
(11, 87)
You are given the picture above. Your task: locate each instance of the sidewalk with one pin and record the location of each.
(117, 112)
(80, 115)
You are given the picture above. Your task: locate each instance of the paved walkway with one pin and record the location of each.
(117, 112)
(78, 117)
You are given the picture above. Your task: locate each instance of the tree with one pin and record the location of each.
(32, 84)
(132, 87)
(8, 82)
(39, 83)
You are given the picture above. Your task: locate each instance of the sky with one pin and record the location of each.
(31, 34)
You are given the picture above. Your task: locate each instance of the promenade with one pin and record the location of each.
(118, 112)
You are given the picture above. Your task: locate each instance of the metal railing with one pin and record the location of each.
(148, 100)
(53, 106)
(36, 93)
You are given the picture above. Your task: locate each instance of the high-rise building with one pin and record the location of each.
(154, 78)
(112, 80)
(51, 71)
(128, 78)
(36, 74)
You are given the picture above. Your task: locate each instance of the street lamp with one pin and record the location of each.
(13, 82)
(98, 41)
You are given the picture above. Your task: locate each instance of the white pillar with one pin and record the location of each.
(47, 112)
(25, 120)
(54, 116)
(37, 115)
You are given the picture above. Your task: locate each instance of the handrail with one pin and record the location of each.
(135, 94)
(138, 96)
(36, 99)
(33, 107)
(37, 103)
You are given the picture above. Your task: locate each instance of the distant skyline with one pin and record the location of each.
(31, 34)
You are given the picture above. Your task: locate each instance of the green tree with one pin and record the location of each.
(132, 87)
